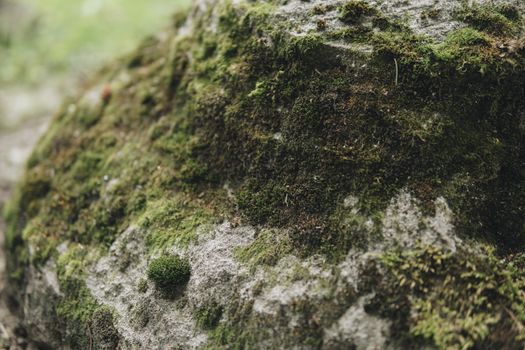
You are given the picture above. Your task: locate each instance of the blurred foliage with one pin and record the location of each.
(43, 38)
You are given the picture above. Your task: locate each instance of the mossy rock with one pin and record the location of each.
(359, 183)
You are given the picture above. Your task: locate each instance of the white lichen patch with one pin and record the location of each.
(214, 269)
(286, 286)
(404, 225)
(356, 326)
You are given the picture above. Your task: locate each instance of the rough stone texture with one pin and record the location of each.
(147, 320)
(414, 12)
(351, 214)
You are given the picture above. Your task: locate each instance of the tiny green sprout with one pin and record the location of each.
(169, 272)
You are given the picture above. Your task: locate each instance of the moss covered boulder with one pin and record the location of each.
(298, 174)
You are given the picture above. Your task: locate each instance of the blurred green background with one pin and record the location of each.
(48, 48)
(42, 38)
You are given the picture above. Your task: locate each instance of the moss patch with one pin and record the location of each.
(353, 11)
(463, 300)
(169, 272)
(77, 308)
(170, 221)
(267, 249)
(497, 19)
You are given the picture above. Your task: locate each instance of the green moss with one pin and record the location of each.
(306, 46)
(468, 50)
(460, 300)
(142, 286)
(242, 328)
(353, 11)
(467, 45)
(208, 317)
(76, 309)
(351, 228)
(292, 126)
(500, 19)
(432, 13)
(172, 221)
(259, 204)
(320, 9)
(169, 272)
(321, 25)
(267, 249)
(75, 312)
(272, 190)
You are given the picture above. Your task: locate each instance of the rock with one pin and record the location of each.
(337, 175)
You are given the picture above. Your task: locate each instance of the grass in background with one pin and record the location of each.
(50, 38)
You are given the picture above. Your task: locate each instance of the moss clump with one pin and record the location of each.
(76, 308)
(432, 13)
(285, 143)
(462, 300)
(321, 25)
(169, 272)
(353, 11)
(355, 228)
(499, 20)
(319, 9)
(466, 50)
(259, 203)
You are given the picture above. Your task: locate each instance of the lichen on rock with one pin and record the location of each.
(334, 174)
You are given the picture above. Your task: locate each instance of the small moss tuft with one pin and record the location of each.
(267, 249)
(169, 272)
(319, 9)
(321, 25)
(142, 286)
(353, 11)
